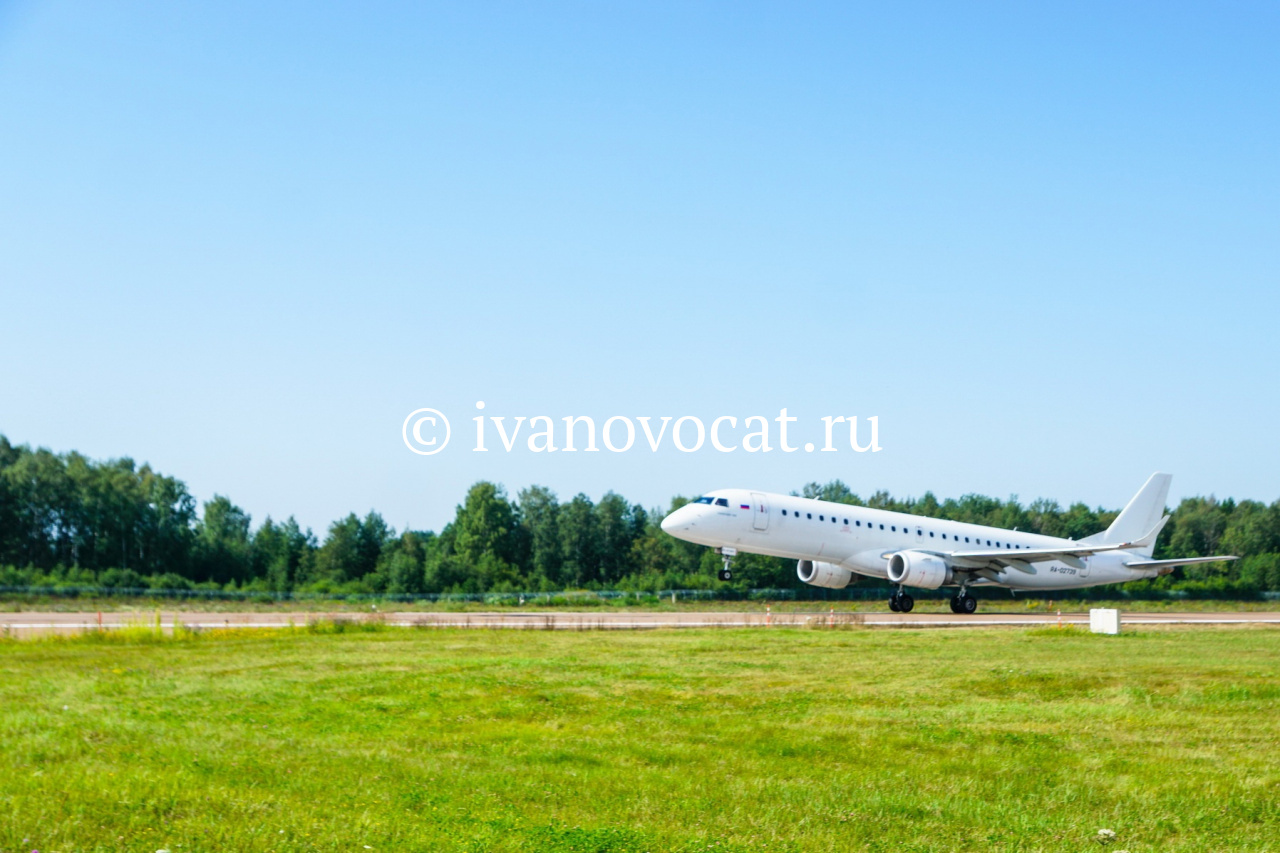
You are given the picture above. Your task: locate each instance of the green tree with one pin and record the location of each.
(487, 523)
(580, 541)
(339, 558)
(284, 554)
(222, 546)
(404, 562)
(1198, 526)
(539, 513)
(835, 491)
(615, 533)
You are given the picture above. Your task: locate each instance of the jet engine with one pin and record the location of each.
(913, 568)
(827, 575)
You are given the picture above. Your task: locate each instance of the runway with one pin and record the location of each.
(26, 624)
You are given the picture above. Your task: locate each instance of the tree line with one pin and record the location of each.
(69, 520)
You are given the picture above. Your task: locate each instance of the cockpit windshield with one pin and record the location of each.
(705, 499)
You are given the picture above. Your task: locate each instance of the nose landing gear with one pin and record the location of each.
(727, 555)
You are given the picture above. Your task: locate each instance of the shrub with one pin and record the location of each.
(169, 582)
(121, 579)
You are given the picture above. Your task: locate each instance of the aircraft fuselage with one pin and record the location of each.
(861, 540)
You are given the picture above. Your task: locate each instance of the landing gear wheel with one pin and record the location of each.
(726, 575)
(955, 605)
(967, 604)
(893, 603)
(905, 602)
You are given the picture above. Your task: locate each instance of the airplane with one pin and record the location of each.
(833, 542)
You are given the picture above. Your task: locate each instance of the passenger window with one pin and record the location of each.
(846, 521)
(808, 515)
(784, 512)
(833, 520)
(894, 529)
(822, 518)
(930, 534)
(882, 527)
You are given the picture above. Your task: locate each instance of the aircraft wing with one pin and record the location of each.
(1037, 555)
(1021, 559)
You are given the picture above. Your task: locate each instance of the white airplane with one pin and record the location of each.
(833, 542)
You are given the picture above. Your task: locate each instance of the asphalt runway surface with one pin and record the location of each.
(25, 624)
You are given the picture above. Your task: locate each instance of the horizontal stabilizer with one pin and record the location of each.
(1164, 567)
(1184, 561)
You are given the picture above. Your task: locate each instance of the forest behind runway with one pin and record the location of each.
(67, 521)
(335, 736)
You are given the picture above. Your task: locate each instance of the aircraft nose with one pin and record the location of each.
(676, 521)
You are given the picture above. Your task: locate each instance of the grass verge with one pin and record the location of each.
(341, 737)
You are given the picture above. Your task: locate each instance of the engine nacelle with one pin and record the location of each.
(827, 575)
(923, 571)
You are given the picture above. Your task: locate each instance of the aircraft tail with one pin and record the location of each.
(1139, 518)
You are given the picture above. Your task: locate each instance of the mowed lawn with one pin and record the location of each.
(814, 740)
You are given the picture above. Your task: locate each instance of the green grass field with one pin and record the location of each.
(813, 740)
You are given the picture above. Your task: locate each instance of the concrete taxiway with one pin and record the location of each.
(24, 624)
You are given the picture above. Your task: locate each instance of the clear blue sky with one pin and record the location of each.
(241, 241)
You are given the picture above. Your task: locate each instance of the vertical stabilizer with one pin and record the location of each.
(1140, 516)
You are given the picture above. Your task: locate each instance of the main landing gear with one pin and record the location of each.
(727, 555)
(964, 603)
